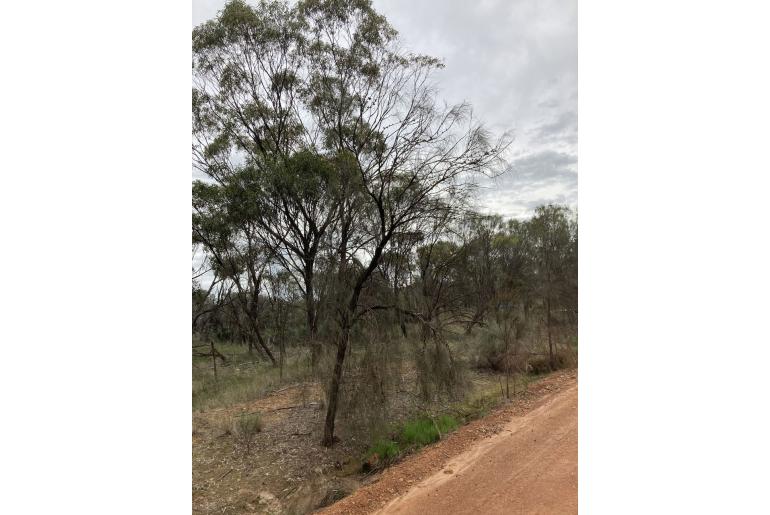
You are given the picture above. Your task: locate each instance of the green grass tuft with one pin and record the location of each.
(412, 435)
(385, 449)
(426, 430)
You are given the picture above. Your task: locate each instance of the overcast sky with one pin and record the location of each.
(515, 61)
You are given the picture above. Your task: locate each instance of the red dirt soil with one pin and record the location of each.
(521, 459)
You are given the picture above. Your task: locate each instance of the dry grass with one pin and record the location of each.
(282, 468)
(243, 378)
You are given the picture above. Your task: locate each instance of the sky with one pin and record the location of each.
(515, 62)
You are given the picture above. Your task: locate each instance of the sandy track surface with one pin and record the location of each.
(531, 467)
(528, 466)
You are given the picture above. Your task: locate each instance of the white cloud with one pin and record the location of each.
(515, 61)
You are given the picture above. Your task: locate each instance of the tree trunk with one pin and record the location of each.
(334, 388)
(214, 360)
(506, 335)
(401, 318)
(262, 343)
(551, 357)
(312, 322)
(348, 319)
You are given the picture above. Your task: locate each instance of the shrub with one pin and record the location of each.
(246, 427)
(540, 365)
(491, 355)
(478, 406)
(564, 358)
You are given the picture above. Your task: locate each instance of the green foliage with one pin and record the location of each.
(410, 436)
(426, 430)
(328, 158)
(384, 449)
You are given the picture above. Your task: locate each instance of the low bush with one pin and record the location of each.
(564, 358)
(477, 406)
(540, 365)
(491, 355)
(246, 427)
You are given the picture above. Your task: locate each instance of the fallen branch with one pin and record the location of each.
(293, 407)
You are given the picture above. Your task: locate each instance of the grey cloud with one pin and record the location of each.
(536, 169)
(531, 180)
(563, 128)
(515, 61)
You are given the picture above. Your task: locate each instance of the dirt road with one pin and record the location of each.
(530, 467)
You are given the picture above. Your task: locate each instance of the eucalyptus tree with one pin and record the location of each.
(251, 133)
(324, 84)
(238, 257)
(294, 209)
(512, 275)
(413, 156)
(438, 302)
(478, 233)
(553, 239)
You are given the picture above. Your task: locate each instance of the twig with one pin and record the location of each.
(285, 388)
(223, 475)
(293, 407)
